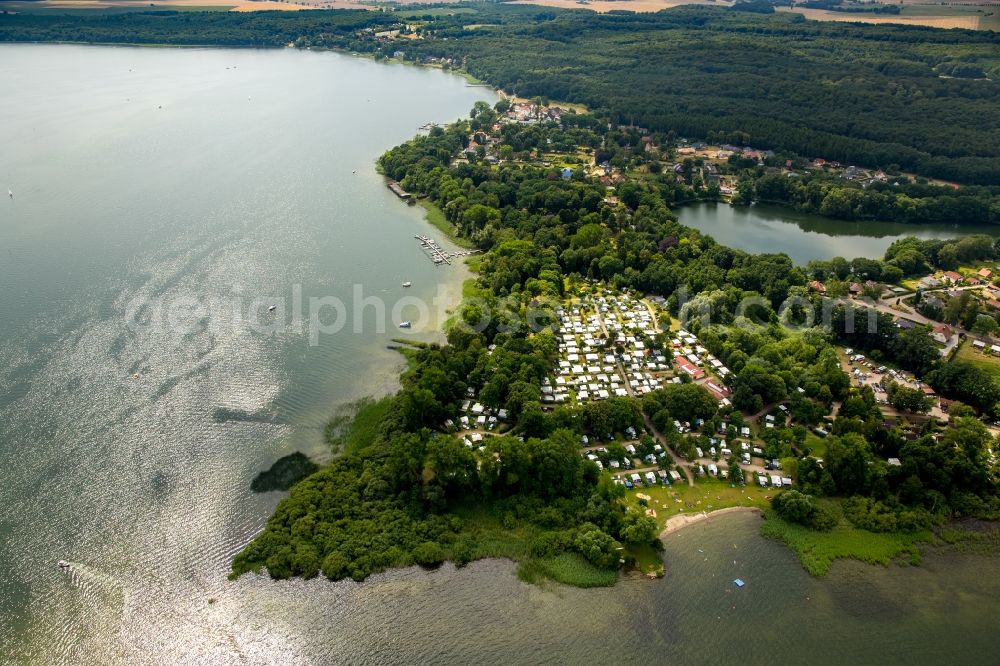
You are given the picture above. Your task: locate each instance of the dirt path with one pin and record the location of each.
(678, 461)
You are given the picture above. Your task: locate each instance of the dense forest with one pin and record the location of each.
(871, 95)
(407, 492)
(403, 493)
(896, 200)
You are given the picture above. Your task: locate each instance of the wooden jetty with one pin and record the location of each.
(439, 255)
(399, 191)
(433, 250)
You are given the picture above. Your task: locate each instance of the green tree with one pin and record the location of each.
(596, 546)
(638, 528)
(428, 554)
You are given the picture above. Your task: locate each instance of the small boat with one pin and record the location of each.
(63, 564)
(10, 193)
(407, 284)
(272, 308)
(405, 324)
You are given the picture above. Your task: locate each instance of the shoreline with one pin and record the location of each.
(680, 521)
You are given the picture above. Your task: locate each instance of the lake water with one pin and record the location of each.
(770, 228)
(158, 193)
(192, 183)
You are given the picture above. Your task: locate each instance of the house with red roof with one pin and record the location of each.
(688, 367)
(942, 333)
(817, 286)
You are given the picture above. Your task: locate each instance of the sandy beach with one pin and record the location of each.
(683, 520)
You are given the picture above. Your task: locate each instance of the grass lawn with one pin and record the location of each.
(436, 217)
(473, 262)
(987, 361)
(816, 444)
(817, 550)
(470, 290)
(706, 495)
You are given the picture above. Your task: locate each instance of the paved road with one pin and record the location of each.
(916, 317)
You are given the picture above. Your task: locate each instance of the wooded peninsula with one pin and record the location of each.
(419, 484)
(607, 360)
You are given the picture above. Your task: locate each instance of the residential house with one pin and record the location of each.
(932, 301)
(929, 282)
(817, 286)
(942, 333)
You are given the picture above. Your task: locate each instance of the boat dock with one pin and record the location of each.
(439, 255)
(398, 190)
